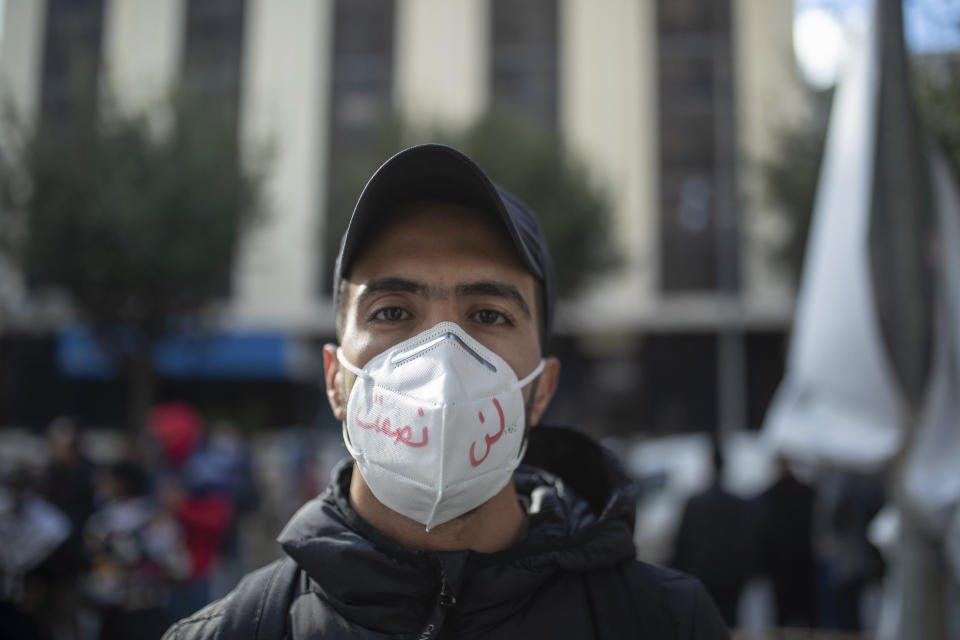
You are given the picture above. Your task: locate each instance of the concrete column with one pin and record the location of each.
(284, 109)
(21, 57)
(608, 114)
(442, 61)
(769, 96)
(21, 63)
(142, 53)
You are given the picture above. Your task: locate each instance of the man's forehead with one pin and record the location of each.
(393, 258)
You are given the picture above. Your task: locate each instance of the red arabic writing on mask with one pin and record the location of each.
(488, 439)
(400, 435)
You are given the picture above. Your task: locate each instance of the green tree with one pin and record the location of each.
(138, 228)
(523, 157)
(789, 178)
(937, 92)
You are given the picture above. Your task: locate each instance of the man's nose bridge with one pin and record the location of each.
(442, 308)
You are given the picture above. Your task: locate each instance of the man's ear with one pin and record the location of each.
(545, 388)
(333, 377)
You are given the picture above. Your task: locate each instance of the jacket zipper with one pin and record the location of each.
(445, 601)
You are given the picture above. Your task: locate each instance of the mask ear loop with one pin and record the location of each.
(533, 374)
(346, 432)
(355, 370)
(520, 385)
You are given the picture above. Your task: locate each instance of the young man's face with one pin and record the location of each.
(441, 262)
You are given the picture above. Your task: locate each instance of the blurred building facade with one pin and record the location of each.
(668, 102)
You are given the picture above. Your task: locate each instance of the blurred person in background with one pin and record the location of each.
(444, 295)
(716, 541)
(32, 536)
(68, 483)
(136, 554)
(786, 546)
(228, 454)
(197, 492)
(846, 503)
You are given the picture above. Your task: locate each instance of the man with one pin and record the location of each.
(716, 542)
(444, 293)
(785, 510)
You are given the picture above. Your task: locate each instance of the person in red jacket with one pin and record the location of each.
(195, 494)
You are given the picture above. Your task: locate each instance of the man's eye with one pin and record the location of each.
(491, 317)
(390, 314)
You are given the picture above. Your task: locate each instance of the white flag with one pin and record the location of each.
(839, 402)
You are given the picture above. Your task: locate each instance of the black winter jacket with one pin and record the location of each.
(572, 575)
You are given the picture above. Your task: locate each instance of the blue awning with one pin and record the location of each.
(239, 355)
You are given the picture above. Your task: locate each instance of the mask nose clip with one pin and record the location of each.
(403, 356)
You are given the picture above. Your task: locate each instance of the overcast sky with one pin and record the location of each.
(823, 31)
(930, 25)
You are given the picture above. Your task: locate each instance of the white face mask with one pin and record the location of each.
(436, 424)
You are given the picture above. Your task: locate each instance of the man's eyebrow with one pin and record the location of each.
(497, 289)
(479, 288)
(390, 285)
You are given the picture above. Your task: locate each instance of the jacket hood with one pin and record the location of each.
(567, 531)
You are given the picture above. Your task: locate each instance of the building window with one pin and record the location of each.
(213, 51)
(524, 65)
(361, 110)
(212, 67)
(71, 60)
(362, 72)
(697, 147)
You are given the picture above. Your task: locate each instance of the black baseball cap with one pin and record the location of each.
(436, 172)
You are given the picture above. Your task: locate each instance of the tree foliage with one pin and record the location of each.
(138, 228)
(138, 224)
(790, 176)
(937, 91)
(522, 157)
